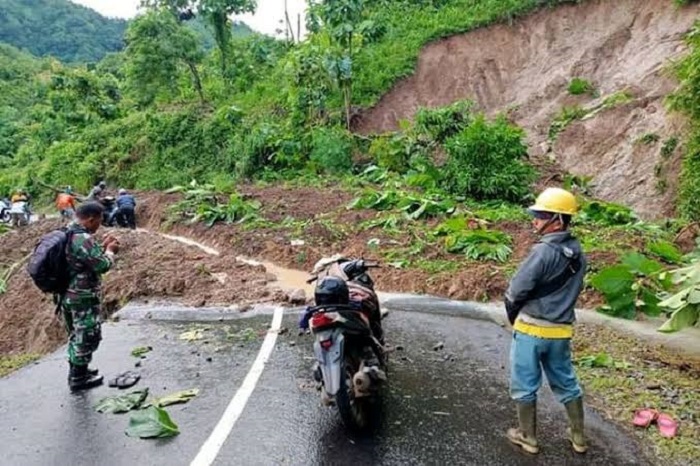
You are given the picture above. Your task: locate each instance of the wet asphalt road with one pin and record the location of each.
(441, 407)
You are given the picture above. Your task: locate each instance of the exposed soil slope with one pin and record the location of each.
(525, 68)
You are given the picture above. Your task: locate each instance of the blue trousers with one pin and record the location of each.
(529, 356)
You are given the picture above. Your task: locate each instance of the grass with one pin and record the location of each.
(649, 139)
(580, 86)
(616, 99)
(12, 362)
(651, 377)
(566, 116)
(669, 147)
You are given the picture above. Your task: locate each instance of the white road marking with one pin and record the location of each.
(207, 454)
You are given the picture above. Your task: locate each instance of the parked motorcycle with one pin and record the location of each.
(5, 208)
(348, 342)
(20, 213)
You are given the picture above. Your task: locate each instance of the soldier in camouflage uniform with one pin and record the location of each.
(87, 261)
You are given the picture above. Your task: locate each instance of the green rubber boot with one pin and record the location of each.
(525, 436)
(574, 409)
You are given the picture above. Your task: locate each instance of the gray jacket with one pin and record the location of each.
(544, 264)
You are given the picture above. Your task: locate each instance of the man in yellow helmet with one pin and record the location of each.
(540, 304)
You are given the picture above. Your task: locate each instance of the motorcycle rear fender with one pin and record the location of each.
(331, 360)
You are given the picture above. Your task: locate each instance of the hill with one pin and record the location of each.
(60, 28)
(73, 33)
(269, 109)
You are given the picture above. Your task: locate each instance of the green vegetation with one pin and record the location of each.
(640, 284)
(202, 204)
(475, 244)
(486, 161)
(649, 139)
(12, 362)
(683, 307)
(669, 147)
(617, 98)
(606, 213)
(74, 33)
(566, 116)
(138, 117)
(685, 99)
(631, 286)
(60, 28)
(579, 86)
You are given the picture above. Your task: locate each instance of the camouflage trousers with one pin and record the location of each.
(84, 328)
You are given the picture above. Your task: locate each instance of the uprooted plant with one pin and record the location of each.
(202, 203)
(632, 286)
(414, 206)
(462, 235)
(639, 284)
(683, 307)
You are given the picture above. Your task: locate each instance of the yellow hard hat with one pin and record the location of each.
(557, 201)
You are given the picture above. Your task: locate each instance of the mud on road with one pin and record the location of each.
(153, 266)
(149, 266)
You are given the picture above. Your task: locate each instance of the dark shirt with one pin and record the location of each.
(126, 200)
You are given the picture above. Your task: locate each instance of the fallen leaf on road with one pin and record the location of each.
(151, 422)
(178, 397)
(192, 335)
(140, 351)
(122, 403)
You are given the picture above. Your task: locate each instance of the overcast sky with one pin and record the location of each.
(266, 18)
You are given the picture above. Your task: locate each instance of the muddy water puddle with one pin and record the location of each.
(287, 279)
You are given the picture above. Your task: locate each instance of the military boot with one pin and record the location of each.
(80, 379)
(525, 436)
(574, 409)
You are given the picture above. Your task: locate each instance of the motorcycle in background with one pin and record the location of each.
(348, 343)
(20, 213)
(5, 208)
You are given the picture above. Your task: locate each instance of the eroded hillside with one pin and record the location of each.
(622, 47)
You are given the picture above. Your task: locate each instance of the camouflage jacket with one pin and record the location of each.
(87, 262)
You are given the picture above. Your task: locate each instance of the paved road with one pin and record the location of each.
(446, 407)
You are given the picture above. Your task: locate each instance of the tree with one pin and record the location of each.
(156, 46)
(216, 12)
(342, 19)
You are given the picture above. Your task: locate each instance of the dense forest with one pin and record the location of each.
(68, 31)
(73, 33)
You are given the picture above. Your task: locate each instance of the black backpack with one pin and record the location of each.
(48, 265)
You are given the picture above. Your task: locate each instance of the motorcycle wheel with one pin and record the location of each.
(359, 415)
(5, 217)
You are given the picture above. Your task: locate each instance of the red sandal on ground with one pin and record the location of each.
(668, 427)
(645, 417)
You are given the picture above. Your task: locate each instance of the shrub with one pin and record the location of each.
(398, 152)
(389, 153)
(442, 123)
(267, 146)
(669, 147)
(485, 161)
(579, 86)
(331, 150)
(648, 139)
(606, 213)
